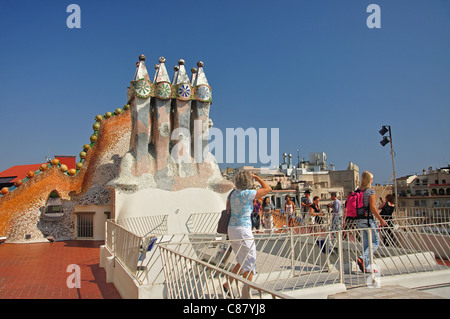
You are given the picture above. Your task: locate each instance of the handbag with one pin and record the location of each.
(222, 225)
(255, 220)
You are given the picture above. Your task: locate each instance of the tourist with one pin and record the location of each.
(240, 225)
(268, 209)
(256, 215)
(289, 208)
(314, 211)
(387, 209)
(261, 213)
(336, 213)
(256, 206)
(308, 201)
(367, 221)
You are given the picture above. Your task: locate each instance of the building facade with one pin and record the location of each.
(313, 175)
(429, 191)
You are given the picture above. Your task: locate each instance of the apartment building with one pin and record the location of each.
(313, 175)
(431, 189)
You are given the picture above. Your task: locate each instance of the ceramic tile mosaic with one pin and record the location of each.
(130, 149)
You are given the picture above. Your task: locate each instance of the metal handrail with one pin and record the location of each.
(188, 277)
(287, 259)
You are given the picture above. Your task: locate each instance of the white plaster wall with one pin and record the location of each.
(99, 219)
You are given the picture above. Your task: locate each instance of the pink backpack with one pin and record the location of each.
(354, 202)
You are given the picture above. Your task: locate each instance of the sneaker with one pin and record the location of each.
(369, 271)
(360, 263)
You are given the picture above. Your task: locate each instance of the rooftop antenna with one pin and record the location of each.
(48, 158)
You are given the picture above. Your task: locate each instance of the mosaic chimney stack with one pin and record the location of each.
(162, 128)
(200, 113)
(181, 146)
(140, 116)
(170, 128)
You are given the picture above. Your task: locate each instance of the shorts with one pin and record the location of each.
(245, 248)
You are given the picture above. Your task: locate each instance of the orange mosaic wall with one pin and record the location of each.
(33, 192)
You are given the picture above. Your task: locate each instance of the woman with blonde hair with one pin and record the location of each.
(240, 225)
(367, 220)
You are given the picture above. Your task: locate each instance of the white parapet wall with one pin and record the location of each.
(178, 206)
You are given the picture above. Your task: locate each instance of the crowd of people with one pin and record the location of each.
(262, 216)
(312, 213)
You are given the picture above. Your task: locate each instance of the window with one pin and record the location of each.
(53, 209)
(85, 225)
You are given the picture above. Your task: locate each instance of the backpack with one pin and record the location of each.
(355, 206)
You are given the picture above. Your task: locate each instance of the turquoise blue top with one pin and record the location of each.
(241, 202)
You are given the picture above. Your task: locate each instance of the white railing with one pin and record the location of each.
(195, 265)
(129, 249)
(124, 244)
(429, 215)
(404, 249)
(146, 225)
(191, 278)
(287, 262)
(204, 223)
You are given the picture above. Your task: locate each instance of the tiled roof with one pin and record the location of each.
(17, 172)
(69, 161)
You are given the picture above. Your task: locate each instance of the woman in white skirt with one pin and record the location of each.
(240, 225)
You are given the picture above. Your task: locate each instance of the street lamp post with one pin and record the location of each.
(385, 129)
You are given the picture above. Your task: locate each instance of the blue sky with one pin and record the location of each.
(313, 69)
